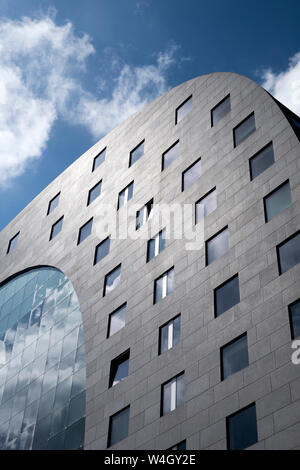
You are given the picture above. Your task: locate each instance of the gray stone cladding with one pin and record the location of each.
(271, 380)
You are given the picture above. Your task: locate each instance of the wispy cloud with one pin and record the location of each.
(285, 85)
(41, 80)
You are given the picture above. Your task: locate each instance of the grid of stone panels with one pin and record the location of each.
(42, 363)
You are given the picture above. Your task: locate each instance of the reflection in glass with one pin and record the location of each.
(99, 159)
(183, 109)
(170, 155)
(277, 201)
(227, 295)
(294, 311)
(261, 161)
(112, 280)
(116, 320)
(289, 253)
(219, 111)
(234, 356)
(217, 246)
(206, 205)
(118, 428)
(136, 154)
(190, 175)
(42, 363)
(94, 192)
(242, 429)
(85, 231)
(173, 394)
(169, 334)
(244, 129)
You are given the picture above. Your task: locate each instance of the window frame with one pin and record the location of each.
(89, 202)
(165, 284)
(290, 318)
(231, 416)
(255, 155)
(203, 197)
(211, 238)
(133, 150)
(50, 202)
(126, 190)
(182, 373)
(53, 225)
(147, 209)
(163, 167)
(160, 334)
(219, 287)
(106, 276)
(178, 107)
(221, 355)
(109, 444)
(108, 335)
(156, 239)
(96, 249)
(79, 231)
(16, 236)
(216, 106)
(186, 170)
(270, 194)
(238, 125)
(114, 363)
(280, 272)
(94, 167)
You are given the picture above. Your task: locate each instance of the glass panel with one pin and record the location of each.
(130, 191)
(53, 203)
(184, 109)
(295, 319)
(99, 159)
(158, 289)
(227, 295)
(289, 253)
(102, 250)
(85, 231)
(170, 284)
(56, 228)
(277, 201)
(261, 161)
(151, 249)
(167, 397)
(13, 242)
(162, 240)
(217, 246)
(121, 198)
(170, 155)
(242, 429)
(121, 371)
(117, 320)
(94, 192)
(235, 356)
(210, 204)
(140, 217)
(119, 424)
(112, 280)
(164, 338)
(180, 390)
(191, 175)
(176, 330)
(220, 111)
(34, 349)
(180, 446)
(243, 130)
(136, 154)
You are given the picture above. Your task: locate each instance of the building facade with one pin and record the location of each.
(136, 342)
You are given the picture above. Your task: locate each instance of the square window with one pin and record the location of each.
(169, 334)
(172, 394)
(13, 242)
(143, 214)
(164, 285)
(156, 244)
(53, 203)
(118, 426)
(85, 231)
(56, 228)
(234, 356)
(261, 161)
(119, 368)
(191, 174)
(180, 446)
(170, 155)
(116, 320)
(136, 153)
(226, 295)
(243, 130)
(102, 250)
(288, 253)
(206, 205)
(125, 195)
(220, 110)
(294, 314)
(183, 109)
(217, 246)
(112, 280)
(94, 192)
(277, 201)
(99, 159)
(242, 428)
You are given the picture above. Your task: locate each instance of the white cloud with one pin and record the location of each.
(41, 64)
(285, 86)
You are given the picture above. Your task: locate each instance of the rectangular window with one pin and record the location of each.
(191, 174)
(261, 161)
(278, 200)
(172, 394)
(99, 159)
(294, 314)
(242, 428)
(169, 334)
(119, 368)
(206, 205)
(220, 110)
(56, 228)
(143, 214)
(243, 130)
(226, 295)
(85, 231)
(13, 242)
(118, 426)
(156, 244)
(164, 285)
(180, 446)
(102, 250)
(217, 246)
(94, 193)
(125, 195)
(116, 320)
(234, 356)
(288, 253)
(170, 155)
(53, 203)
(136, 153)
(183, 109)
(112, 280)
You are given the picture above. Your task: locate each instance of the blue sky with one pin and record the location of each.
(71, 70)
